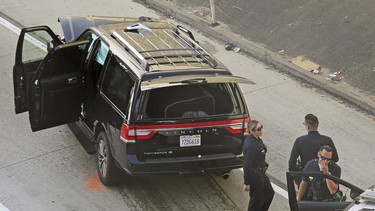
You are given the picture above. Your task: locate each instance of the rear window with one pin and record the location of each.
(198, 100)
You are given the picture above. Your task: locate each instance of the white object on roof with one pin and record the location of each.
(136, 27)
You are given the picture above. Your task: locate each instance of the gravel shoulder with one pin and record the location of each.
(327, 33)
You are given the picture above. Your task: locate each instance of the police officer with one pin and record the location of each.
(306, 147)
(255, 180)
(322, 189)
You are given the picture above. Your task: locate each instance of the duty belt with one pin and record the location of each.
(259, 169)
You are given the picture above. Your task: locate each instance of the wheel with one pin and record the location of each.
(109, 173)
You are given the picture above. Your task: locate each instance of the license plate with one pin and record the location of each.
(188, 141)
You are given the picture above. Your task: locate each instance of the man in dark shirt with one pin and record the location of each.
(322, 189)
(306, 147)
(255, 179)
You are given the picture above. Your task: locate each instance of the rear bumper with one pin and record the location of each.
(183, 165)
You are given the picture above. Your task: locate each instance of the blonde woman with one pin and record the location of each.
(256, 181)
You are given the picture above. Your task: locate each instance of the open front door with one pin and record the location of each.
(346, 194)
(32, 48)
(57, 87)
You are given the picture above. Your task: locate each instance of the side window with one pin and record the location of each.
(117, 84)
(96, 64)
(92, 37)
(67, 59)
(101, 54)
(96, 54)
(100, 49)
(35, 46)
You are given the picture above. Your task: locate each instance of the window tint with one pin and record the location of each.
(90, 36)
(98, 52)
(65, 60)
(188, 101)
(117, 84)
(101, 51)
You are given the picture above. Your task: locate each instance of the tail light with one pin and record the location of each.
(238, 126)
(128, 133)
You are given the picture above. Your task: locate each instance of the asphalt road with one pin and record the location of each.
(240, 21)
(49, 170)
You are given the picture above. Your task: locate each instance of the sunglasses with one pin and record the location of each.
(324, 158)
(259, 128)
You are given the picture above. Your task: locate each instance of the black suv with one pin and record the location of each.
(154, 99)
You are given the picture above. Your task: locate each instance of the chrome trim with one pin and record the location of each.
(126, 141)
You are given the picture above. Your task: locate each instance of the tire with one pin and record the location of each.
(109, 173)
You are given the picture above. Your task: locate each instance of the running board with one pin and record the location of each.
(88, 145)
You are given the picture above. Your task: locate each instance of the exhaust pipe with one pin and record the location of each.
(225, 175)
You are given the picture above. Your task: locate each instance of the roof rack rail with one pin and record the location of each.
(142, 61)
(192, 40)
(161, 47)
(186, 31)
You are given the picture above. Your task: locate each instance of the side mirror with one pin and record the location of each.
(353, 194)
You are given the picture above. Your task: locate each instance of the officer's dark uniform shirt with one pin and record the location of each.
(254, 152)
(307, 147)
(319, 185)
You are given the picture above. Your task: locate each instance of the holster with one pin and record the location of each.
(260, 169)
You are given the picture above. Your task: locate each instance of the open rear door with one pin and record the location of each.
(32, 48)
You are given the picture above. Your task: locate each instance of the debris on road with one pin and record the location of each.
(336, 76)
(230, 47)
(347, 19)
(304, 63)
(236, 49)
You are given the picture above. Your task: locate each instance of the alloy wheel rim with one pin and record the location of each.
(102, 158)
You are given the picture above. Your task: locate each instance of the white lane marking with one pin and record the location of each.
(36, 42)
(278, 189)
(9, 25)
(3, 208)
(16, 30)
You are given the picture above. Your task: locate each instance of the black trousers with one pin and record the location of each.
(261, 193)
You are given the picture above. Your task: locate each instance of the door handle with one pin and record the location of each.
(72, 80)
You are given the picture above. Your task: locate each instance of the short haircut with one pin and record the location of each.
(326, 148)
(312, 121)
(252, 125)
